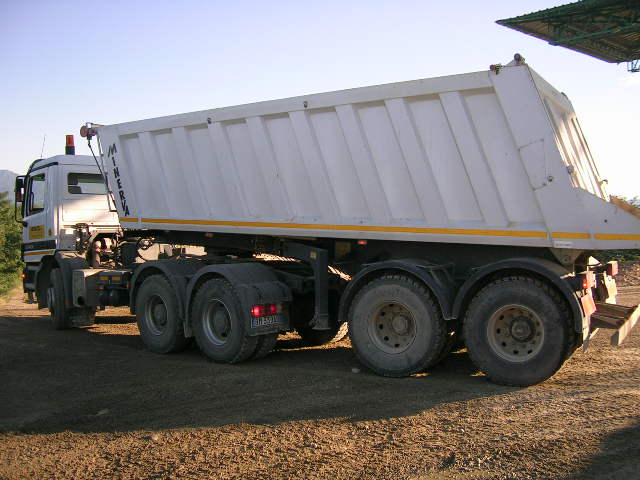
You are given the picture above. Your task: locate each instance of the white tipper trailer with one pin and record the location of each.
(421, 215)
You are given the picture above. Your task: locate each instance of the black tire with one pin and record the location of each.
(219, 328)
(396, 328)
(264, 346)
(83, 317)
(60, 314)
(302, 311)
(517, 331)
(158, 316)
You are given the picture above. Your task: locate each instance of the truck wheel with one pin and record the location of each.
(60, 314)
(158, 317)
(266, 343)
(517, 331)
(396, 329)
(219, 328)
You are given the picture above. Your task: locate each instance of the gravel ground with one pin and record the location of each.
(629, 274)
(93, 403)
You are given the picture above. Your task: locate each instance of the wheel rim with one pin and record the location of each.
(515, 333)
(156, 315)
(216, 323)
(392, 327)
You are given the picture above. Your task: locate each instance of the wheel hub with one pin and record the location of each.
(216, 323)
(159, 315)
(521, 329)
(156, 315)
(220, 323)
(515, 333)
(392, 328)
(400, 324)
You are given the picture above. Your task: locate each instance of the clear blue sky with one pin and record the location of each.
(65, 63)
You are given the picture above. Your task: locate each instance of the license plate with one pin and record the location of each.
(265, 321)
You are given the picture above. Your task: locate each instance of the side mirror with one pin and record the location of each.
(19, 189)
(18, 196)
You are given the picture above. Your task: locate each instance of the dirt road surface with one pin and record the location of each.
(93, 403)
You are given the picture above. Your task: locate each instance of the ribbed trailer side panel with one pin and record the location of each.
(475, 158)
(372, 160)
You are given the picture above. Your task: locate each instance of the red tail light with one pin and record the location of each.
(266, 309)
(588, 280)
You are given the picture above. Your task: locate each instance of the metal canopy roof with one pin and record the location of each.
(605, 29)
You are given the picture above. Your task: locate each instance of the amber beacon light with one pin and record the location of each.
(69, 148)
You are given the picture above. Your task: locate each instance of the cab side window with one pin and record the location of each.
(36, 189)
(86, 184)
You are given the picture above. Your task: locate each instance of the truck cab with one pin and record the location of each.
(61, 197)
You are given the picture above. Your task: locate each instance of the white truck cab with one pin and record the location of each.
(60, 195)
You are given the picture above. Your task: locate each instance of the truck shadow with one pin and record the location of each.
(613, 460)
(115, 319)
(101, 379)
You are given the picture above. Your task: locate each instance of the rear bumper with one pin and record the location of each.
(618, 318)
(601, 311)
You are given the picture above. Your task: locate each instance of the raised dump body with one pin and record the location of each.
(492, 157)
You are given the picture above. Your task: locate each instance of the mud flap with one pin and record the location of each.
(260, 293)
(588, 308)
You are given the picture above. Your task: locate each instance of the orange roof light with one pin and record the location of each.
(69, 149)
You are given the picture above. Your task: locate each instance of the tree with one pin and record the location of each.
(631, 205)
(10, 240)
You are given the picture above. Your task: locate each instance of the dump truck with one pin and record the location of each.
(420, 216)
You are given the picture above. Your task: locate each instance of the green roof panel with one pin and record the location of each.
(604, 29)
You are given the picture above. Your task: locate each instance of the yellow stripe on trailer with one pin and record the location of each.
(583, 236)
(39, 252)
(617, 236)
(355, 228)
(393, 229)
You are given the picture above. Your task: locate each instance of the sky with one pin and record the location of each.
(64, 63)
